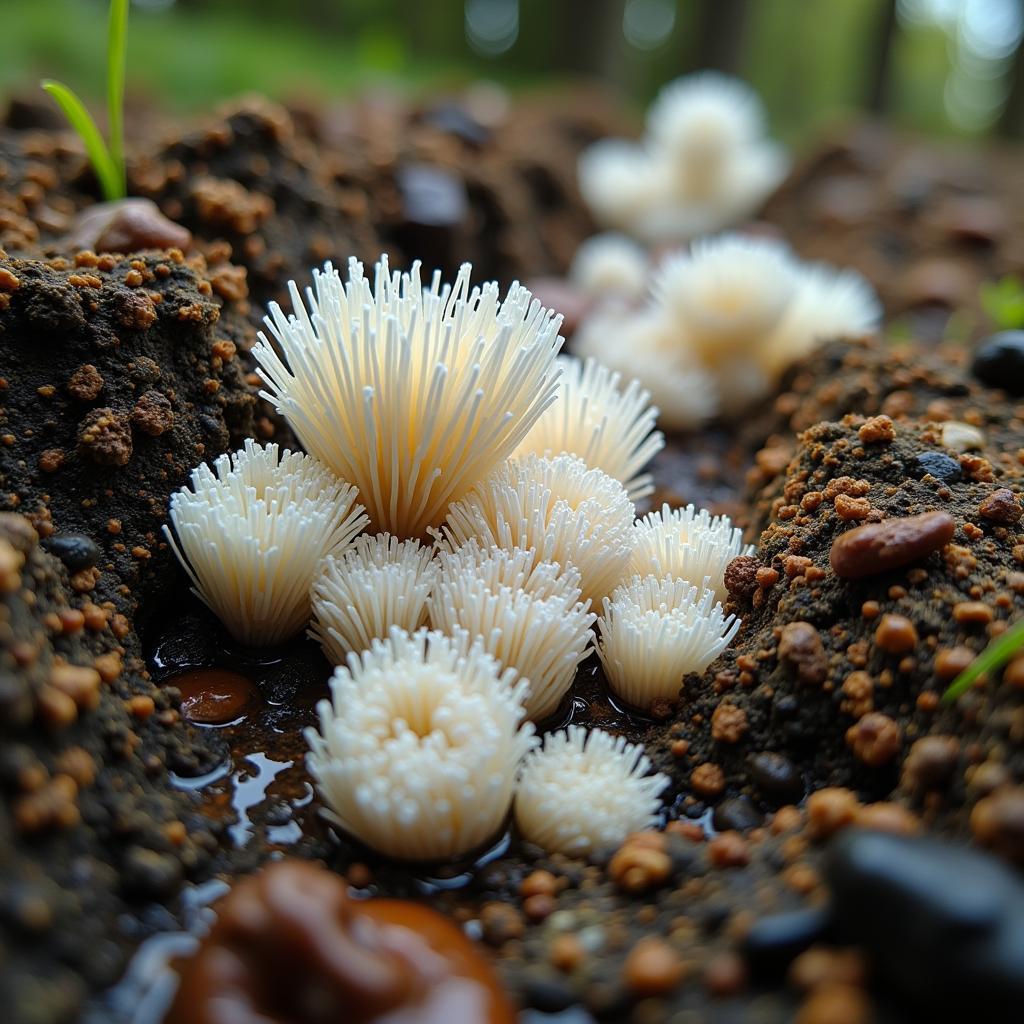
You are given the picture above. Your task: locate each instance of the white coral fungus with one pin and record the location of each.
(585, 792)
(655, 631)
(703, 165)
(419, 746)
(608, 426)
(413, 394)
(378, 583)
(724, 320)
(251, 533)
(566, 512)
(610, 265)
(688, 544)
(543, 633)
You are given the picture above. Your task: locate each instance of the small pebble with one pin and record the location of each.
(75, 550)
(999, 361)
(653, 968)
(896, 634)
(879, 547)
(776, 778)
(935, 464)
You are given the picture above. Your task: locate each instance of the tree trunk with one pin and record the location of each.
(719, 38)
(880, 48)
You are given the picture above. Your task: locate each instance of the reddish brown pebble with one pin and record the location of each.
(973, 612)
(801, 648)
(728, 850)
(1001, 506)
(725, 974)
(819, 966)
(567, 953)
(888, 817)
(707, 780)
(538, 883)
(997, 822)
(930, 763)
(829, 810)
(835, 1004)
(951, 661)
(1013, 674)
(875, 739)
(741, 576)
(127, 225)
(878, 429)
(896, 634)
(728, 723)
(641, 863)
(879, 547)
(652, 968)
(213, 696)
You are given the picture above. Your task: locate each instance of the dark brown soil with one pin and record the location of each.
(121, 373)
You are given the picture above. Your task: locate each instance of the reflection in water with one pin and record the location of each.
(250, 791)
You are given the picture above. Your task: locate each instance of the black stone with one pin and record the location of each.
(75, 550)
(786, 706)
(773, 942)
(935, 464)
(737, 813)
(944, 924)
(432, 196)
(999, 361)
(776, 778)
(455, 120)
(549, 995)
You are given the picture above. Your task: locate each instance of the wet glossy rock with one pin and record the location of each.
(999, 361)
(291, 946)
(776, 778)
(738, 814)
(891, 544)
(773, 942)
(943, 924)
(936, 464)
(75, 550)
(127, 225)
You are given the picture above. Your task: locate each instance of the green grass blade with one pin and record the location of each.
(1004, 647)
(80, 119)
(117, 33)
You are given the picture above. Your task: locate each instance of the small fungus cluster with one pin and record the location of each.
(723, 321)
(704, 164)
(499, 482)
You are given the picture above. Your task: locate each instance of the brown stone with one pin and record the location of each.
(879, 547)
(1001, 506)
(800, 648)
(127, 225)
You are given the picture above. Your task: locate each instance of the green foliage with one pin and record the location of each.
(1004, 302)
(107, 161)
(1000, 651)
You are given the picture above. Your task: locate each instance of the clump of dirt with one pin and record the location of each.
(116, 380)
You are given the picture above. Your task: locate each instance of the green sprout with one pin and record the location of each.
(108, 162)
(1000, 651)
(1003, 301)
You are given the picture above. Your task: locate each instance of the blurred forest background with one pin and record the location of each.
(938, 66)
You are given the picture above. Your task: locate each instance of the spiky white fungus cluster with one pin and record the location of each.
(586, 791)
(704, 164)
(418, 748)
(611, 265)
(566, 512)
(251, 533)
(543, 631)
(378, 583)
(655, 631)
(723, 322)
(414, 394)
(688, 544)
(608, 427)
